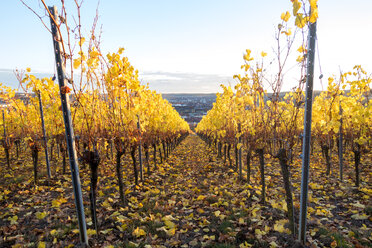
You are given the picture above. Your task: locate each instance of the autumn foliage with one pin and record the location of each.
(152, 182)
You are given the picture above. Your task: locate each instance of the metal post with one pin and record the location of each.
(307, 131)
(140, 150)
(70, 139)
(44, 134)
(340, 146)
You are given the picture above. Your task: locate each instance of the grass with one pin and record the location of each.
(225, 227)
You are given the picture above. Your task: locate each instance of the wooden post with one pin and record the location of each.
(240, 152)
(140, 150)
(307, 132)
(70, 138)
(6, 143)
(340, 147)
(4, 125)
(111, 148)
(44, 135)
(262, 171)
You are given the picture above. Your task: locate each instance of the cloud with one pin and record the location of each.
(181, 82)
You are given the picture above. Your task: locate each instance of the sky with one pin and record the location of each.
(189, 46)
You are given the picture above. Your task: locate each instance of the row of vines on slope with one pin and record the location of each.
(102, 121)
(110, 108)
(247, 118)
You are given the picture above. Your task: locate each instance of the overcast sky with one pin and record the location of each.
(189, 46)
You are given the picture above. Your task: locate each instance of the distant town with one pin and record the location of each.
(192, 107)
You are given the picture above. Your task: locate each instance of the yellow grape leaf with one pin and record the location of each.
(285, 16)
(313, 3)
(319, 212)
(274, 204)
(13, 220)
(77, 63)
(247, 56)
(127, 191)
(300, 59)
(131, 244)
(200, 211)
(259, 232)
(301, 49)
(168, 217)
(169, 224)
(94, 54)
(301, 20)
(288, 32)
(284, 204)
(169, 232)
(82, 40)
(106, 231)
(217, 213)
(241, 221)
(200, 198)
(296, 6)
(245, 245)
(364, 227)
(359, 217)
(279, 227)
(263, 54)
(122, 228)
(254, 212)
(222, 216)
(91, 232)
(155, 191)
(138, 232)
(40, 215)
(314, 15)
(206, 237)
(41, 245)
(57, 202)
(358, 205)
(106, 204)
(239, 146)
(121, 50)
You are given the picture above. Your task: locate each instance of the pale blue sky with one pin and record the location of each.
(193, 45)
